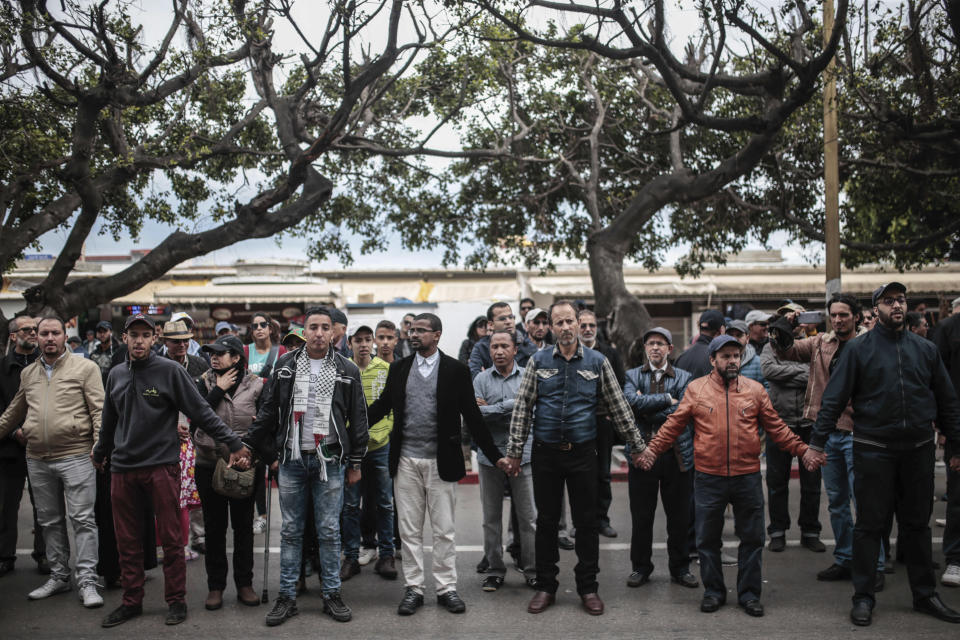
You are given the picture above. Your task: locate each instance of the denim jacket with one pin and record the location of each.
(652, 409)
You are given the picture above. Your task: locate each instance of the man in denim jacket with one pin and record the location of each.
(653, 391)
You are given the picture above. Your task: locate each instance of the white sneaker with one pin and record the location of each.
(367, 556)
(89, 595)
(49, 588)
(259, 525)
(951, 577)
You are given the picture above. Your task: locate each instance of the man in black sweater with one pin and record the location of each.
(138, 433)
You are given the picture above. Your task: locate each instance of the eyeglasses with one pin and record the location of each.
(419, 330)
(889, 301)
(656, 343)
(260, 325)
(27, 329)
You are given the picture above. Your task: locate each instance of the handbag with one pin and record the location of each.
(232, 483)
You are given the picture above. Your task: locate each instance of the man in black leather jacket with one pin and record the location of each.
(899, 388)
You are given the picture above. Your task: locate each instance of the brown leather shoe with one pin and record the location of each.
(592, 603)
(540, 601)
(214, 600)
(246, 595)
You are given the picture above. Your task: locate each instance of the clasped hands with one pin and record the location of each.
(813, 460)
(241, 459)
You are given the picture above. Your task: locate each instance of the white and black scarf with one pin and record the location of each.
(323, 395)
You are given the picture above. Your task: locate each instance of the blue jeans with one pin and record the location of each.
(375, 469)
(299, 480)
(838, 481)
(713, 494)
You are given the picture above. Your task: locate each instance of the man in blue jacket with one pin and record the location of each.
(653, 391)
(899, 387)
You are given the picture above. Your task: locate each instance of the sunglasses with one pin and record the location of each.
(27, 329)
(260, 325)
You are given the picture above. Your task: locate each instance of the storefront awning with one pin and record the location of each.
(251, 293)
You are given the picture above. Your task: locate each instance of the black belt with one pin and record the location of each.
(566, 446)
(333, 450)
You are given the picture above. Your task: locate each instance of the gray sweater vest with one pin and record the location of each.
(420, 427)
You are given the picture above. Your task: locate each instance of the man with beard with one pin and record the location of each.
(500, 316)
(562, 391)
(726, 410)
(899, 387)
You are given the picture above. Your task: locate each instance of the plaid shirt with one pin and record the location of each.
(611, 401)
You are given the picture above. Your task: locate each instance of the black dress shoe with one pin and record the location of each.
(686, 580)
(935, 607)
(483, 565)
(120, 615)
(879, 582)
(565, 543)
(834, 573)
(753, 608)
(6, 566)
(637, 579)
(709, 604)
(861, 614)
(452, 602)
(176, 614)
(813, 544)
(492, 583)
(607, 531)
(410, 603)
(778, 544)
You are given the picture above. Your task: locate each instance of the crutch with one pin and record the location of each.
(266, 538)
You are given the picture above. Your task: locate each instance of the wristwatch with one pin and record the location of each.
(355, 467)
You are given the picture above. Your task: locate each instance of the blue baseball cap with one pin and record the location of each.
(721, 341)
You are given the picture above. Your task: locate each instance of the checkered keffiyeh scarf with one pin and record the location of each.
(324, 385)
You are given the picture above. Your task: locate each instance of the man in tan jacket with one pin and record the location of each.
(59, 404)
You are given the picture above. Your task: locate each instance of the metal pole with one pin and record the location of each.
(266, 537)
(831, 164)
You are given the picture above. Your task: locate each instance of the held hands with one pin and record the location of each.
(955, 463)
(644, 460)
(812, 460)
(241, 459)
(353, 476)
(20, 437)
(99, 466)
(510, 466)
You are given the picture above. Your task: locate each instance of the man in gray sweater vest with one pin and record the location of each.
(428, 393)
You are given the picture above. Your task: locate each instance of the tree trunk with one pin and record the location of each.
(626, 315)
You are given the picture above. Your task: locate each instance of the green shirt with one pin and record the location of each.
(374, 379)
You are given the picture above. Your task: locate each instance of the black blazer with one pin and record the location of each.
(455, 398)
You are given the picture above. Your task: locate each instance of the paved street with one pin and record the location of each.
(796, 604)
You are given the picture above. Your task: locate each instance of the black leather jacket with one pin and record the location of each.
(898, 386)
(268, 434)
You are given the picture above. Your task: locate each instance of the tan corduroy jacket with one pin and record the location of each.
(60, 415)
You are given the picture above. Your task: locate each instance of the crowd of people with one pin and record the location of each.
(152, 439)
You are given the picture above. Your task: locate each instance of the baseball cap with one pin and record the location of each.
(221, 326)
(882, 289)
(738, 325)
(711, 319)
(533, 314)
(337, 316)
(354, 330)
(182, 316)
(721, 341)
(956, 302)
(660, 331)
(139, 317)
(224, 343)
(295, 332)
(74, 339)
(103, 324)
(756, 316)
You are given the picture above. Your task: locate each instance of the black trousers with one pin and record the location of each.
(216, 510)
(108, 564)
(604, 458)
(745, 493)
(951, 535)
(674, 487)
(13, 475)
(778, 492)
(885, 481)
(577, 470)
